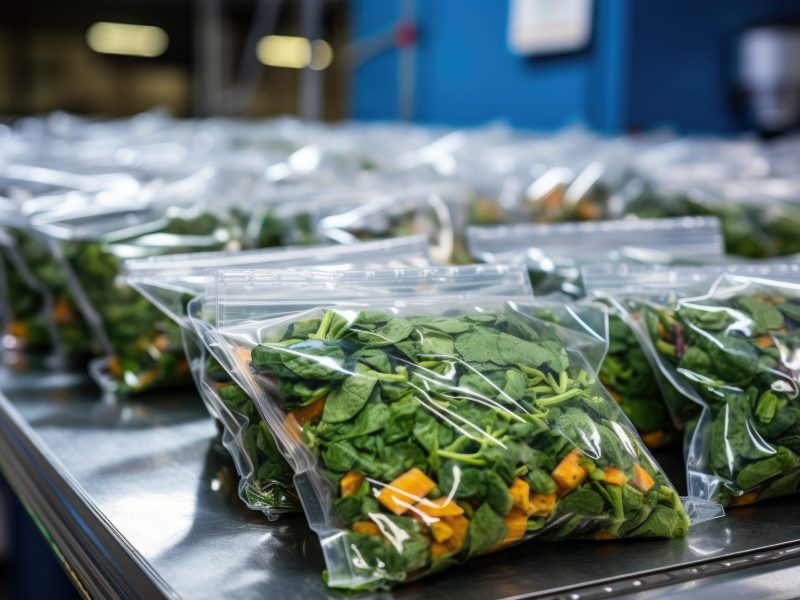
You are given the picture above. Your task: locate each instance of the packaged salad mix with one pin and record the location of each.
(429, 429)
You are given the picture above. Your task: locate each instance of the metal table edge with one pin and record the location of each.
(113, 568)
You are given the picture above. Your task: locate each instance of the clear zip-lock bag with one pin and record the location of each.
(729, 352)
(435, 208)
(629, 371)
(265, 482)
(756, 222)
(171, 282)
(429, 429)
(40, 315)
(92, 239)
(555, 252)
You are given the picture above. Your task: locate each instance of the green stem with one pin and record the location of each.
(399, 377)
(531, 371)
(563, 382)
(459, 443)
(540, 389)
(552, 400)
(470, 459)
(665, 348)
(324, 325)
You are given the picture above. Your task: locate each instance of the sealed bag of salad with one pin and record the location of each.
(730, 353)
(40, 315)
(427, 429)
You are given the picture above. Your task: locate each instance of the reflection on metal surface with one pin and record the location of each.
(140, 496)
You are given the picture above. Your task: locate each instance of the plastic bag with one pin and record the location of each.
(756, 223)
(554, 253)
(40, 315)
(731, 353)
(429, 429)
(265, 482)
(91, 244)
(437, 209)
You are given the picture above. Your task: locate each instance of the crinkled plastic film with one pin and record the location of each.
(554, 253)
(263, 480)
(731, 353)
(429, 429)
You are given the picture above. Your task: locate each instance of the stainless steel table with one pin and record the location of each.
(138, 500)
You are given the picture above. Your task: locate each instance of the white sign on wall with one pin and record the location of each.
(549, 26)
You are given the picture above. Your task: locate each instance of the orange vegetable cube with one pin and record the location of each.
(408, 488)
(366, 528)
(614, 476)
(460, 525)
(294, 421)
(516, 521)
(62, 311)
(441, 531)
(541, 505)
(350, 483)
(641, 480)
(744, 499)
(18, 329)
(653, 439)
(439, 507)
(438, 550)
(569, 473)
(521, 494)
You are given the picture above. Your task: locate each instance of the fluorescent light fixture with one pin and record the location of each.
(294, 52)
(321, 55)
(127, 39)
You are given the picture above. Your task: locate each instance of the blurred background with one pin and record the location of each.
(616, 65)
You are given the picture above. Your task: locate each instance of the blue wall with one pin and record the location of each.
(466, 74)
(650, 63)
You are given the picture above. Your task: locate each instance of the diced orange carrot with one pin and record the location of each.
(146, 378)
(243, 354)
(614, 476)
(744, 499)
(765, 341)
(408, 488)
(439, 507)
(115, 367)
(62, 311)
(541, 505)
(438, 550)
(350, 483)
(641, 480)
(366, 528)
(294, 421)
(614, 395)
(161, 342)
(516, 521)
(182, 367)
(521, 494)
(569, 473)
(653, 439)
(441, 531)
(588, 211)
(18, 329)
(605, 535)
(460, 525)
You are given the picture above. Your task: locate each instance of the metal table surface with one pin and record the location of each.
(138, 500)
